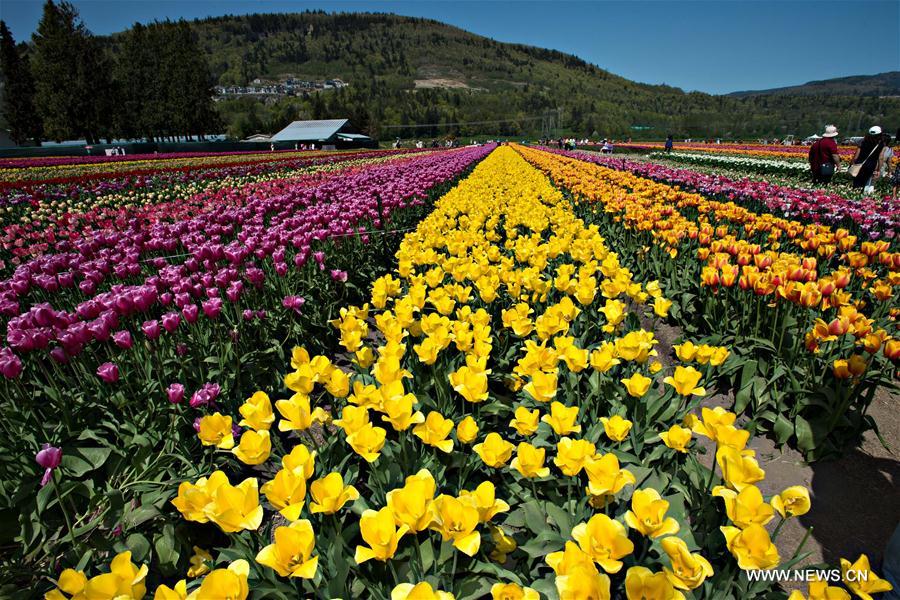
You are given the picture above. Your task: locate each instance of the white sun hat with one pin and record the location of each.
(875, 130)
(830, 131)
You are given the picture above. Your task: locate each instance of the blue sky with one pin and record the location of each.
(714, 47)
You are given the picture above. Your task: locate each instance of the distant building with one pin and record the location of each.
(258, 137)
(331, 132)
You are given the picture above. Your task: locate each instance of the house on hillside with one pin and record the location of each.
(336, 133)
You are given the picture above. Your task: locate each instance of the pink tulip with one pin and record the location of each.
(108, 372)
(49, 458)
(175, 392)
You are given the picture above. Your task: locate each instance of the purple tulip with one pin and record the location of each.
(10, 364)
(151, 329)
(190, 313)
(205, 396)
(294, 303)
(170, 321)
(49, 458)
(108, 372)
(212, 307)
(338, 275)
(248, 314)
(175, 392)
(197, 424)
(122, 339)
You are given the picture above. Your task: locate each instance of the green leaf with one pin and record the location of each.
(805, 439)
(139, 546)
(79, 461)
(783, 429)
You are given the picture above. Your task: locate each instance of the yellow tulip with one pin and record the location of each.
(576, 359)
(738, 471)
(731, 436)
(637, 385)
(124, 580)
(661, 307)
(379, 531)
(503, 544)
(257, 412)
(434, 431)
(368, 442)
(571, 455)
(562, 419)
(296, 413)
(365, 395)
(236, 508)
(199, 563)
(643, 584)
(604, 358)
(685, 351)
(712, 419)
(615, 312)
(485, 501)
(398, 407)
(616, 427)
(301, 460)
(456, 521)
(688, 570)
(529, 461)
(470, 383)
(412, 505)
(193, 498)
(215, 430)
(525, 421)
(329, 494)
(648, 514)
(512, 591)
(230, 583)
(604, 540)
(336, 382)
(751, 547)
(685, 381)
(820, 590)
(419, 591)
(494, 451)
(864, 582)
(286, 492)
(604, 475)
(467, 430)
(792, 502)
(542, 386)
(677, 438)
(746, 507)
(291, 554)
(254, 448)
(353, 418)
(163, 592)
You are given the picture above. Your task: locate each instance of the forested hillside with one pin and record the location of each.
(385, 58)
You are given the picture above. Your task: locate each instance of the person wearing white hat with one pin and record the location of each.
(865, 161)
(824, 159)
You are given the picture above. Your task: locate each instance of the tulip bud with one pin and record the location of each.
(108, 372)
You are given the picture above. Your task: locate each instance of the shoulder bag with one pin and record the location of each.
(855, 168)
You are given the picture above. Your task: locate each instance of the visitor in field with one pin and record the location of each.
(887, 154)
(824, 159)
(669, 143)
(865, 161)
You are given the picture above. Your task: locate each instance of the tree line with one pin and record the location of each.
(66, 84)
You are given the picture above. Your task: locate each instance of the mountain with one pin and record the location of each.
(882, 84)
(404, 71)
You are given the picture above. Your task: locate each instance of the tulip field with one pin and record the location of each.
(427, 374)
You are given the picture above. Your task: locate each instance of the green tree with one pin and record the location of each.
(72, 77)
(18, 92)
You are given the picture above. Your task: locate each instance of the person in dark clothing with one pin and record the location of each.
(866, 158)
(669, 143)
(823, 156)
